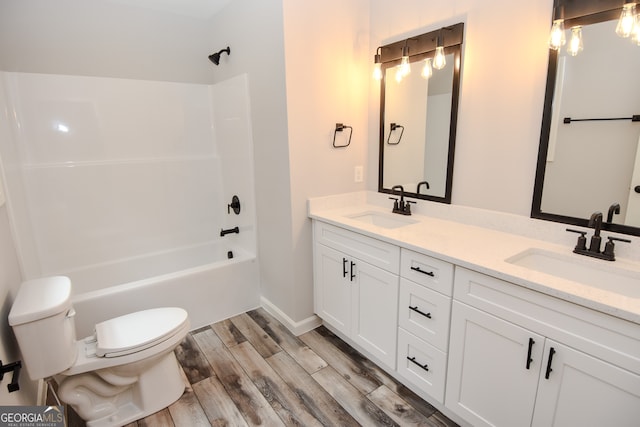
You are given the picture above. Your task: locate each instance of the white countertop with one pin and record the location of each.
(484, 250)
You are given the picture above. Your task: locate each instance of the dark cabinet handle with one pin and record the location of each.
(529, 359)
(344, 267)
(413, 359)
(551, 353)
(353, 276)
(428, 315)
(428, 273)
(636, 188)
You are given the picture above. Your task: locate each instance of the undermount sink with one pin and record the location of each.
(599, 274)
(383, 220)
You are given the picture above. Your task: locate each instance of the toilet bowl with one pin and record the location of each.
(123, 372)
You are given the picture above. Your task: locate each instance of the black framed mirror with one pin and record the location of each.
(591, 124)
(418, 115)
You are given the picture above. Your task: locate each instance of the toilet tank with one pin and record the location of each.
(42, 320)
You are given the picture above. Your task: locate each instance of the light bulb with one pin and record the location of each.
(427, 71)
(556, 37)
(635, 34)
(377, 71)
(399, 73)
(405, 67)
(575, 44)
(439, 60)
(627, 20)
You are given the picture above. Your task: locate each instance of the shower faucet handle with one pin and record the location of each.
(235, 205)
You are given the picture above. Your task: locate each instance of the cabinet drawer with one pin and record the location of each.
(425, 313)
(427, 367)
(430, 272)
(376, 252)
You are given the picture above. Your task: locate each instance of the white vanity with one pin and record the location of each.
(490, 327)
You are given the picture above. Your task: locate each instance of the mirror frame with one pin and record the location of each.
(583, 12)
(423, 46)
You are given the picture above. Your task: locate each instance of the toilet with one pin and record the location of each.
(123, 372)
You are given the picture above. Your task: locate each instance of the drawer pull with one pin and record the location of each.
(427, 315)
(551, 353)
(413, 359)
(529, 359)
(419, 270)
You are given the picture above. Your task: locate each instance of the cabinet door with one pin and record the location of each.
(584, 391)
(332, 287)
(375, 311)
(490, 381)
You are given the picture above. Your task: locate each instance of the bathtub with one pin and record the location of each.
(203, 280)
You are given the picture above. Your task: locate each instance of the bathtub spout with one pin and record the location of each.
(224, 232)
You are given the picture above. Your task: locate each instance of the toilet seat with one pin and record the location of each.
(137, 331)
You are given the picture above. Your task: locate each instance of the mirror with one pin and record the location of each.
(418, 117)
(588, 159)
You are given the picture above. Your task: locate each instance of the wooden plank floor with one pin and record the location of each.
(251, 371)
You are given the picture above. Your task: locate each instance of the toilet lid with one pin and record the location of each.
(137, 331)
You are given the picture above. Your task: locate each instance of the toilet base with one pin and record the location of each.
(120, 395)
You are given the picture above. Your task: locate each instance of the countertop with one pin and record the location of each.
(487, 251)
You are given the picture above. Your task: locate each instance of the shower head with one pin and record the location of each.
(215, 57)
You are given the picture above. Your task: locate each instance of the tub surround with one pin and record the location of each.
(482, 241)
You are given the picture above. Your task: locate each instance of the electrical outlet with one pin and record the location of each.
(358, 174)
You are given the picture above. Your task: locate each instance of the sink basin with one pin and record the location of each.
(383, 220)
(604, 275)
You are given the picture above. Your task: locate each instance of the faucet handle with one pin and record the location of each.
(609, 246)
(395, 203)
(407, 206)
(582, 239)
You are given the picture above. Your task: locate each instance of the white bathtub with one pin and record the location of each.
(210, 291)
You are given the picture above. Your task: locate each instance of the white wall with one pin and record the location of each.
(253, 29)
(502, 91)
(327, 67)
(103, 38)
(10, 278)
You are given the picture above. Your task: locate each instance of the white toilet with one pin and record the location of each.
(124, 372)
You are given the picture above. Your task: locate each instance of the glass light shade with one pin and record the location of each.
(427, 70)
(439, 60)
(556, 37)
(575, 44)
(627, 20)
(377, 71)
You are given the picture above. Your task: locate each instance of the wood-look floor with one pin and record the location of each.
(251, 371)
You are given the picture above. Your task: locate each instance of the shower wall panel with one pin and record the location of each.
(111, 169)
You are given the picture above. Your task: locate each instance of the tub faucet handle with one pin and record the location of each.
(235, 205)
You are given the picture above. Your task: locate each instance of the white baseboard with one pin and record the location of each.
(296, 328)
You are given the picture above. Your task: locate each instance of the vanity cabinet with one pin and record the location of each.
(423, 321)
(520, 358)
(356, 288)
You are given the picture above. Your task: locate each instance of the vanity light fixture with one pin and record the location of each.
(397, 56)
(628, 20)
(439, 60)
(377, 67)
(575, 44)
(427, 70)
